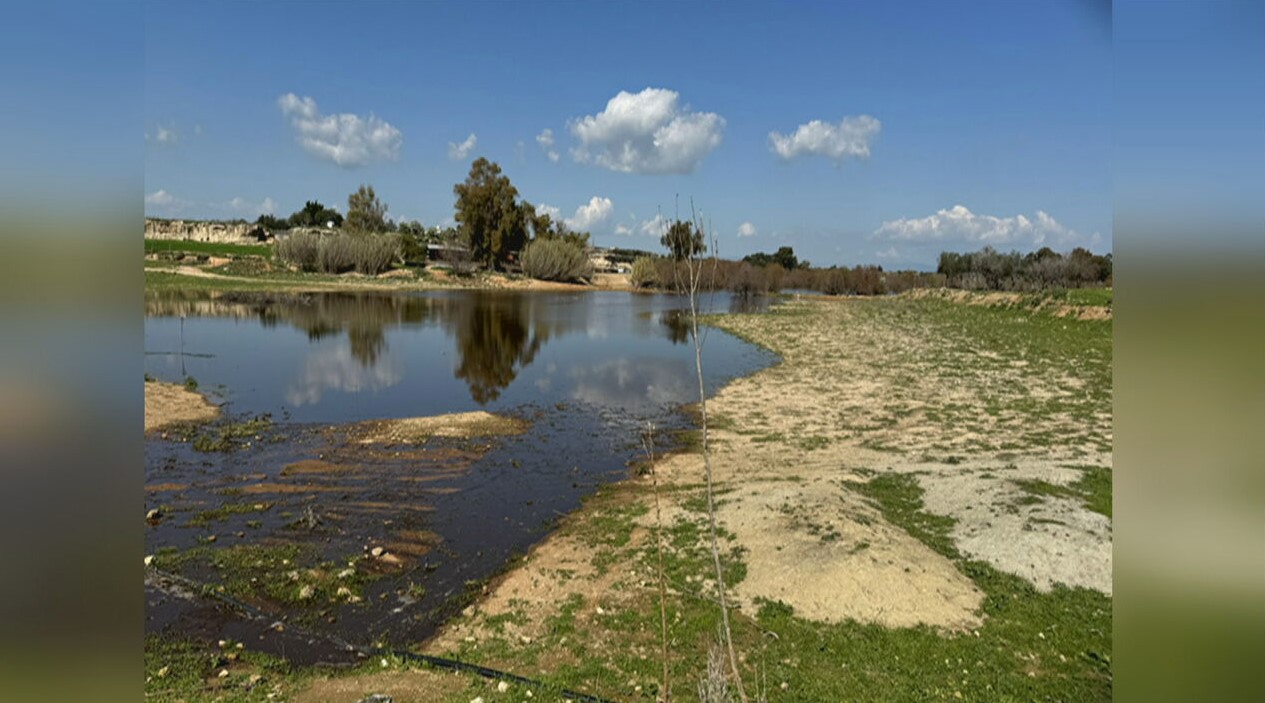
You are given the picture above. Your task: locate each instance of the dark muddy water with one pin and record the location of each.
(586, 370)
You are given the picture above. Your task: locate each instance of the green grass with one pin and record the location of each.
(225, 511)
(286, 574)
(157, 246)
(227, 436)
(1093, 489)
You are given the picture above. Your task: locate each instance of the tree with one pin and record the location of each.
(365, 213)
(683, 241)
(272, 222)
(492, 222)
(785, 256)
(314, 214)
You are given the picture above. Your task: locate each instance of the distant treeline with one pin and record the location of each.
(989, 269)
(986, 269)
(745, 278)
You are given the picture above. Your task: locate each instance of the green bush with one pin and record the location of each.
(645, 273)
(369, 254)
(556, 260)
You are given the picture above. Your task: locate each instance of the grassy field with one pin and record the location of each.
(184, 246)
(886, 431)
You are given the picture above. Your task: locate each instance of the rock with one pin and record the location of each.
(254, 679)
(153, 514)
(211, 538)
(346, 574)
(149, 559)
(377, 552)
(307, 592)
(163, 671)
(223, 674)
(375, 698)
(502, 686)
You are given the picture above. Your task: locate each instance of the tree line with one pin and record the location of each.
(497, 229)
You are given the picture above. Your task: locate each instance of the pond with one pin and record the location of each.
(583, 373)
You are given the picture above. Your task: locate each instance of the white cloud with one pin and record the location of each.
(549, 210)
(889, 253)
(346, 139)
(545, 140)
(457, 152)
(160, 202)
(849, 139)
(622, 229)
(166, 136)
(159, 197)
(654, 227)
(746, 229)
(646, 132)
(961, 225)
(241, 205)
(594, 213)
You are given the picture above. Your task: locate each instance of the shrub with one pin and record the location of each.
(369, 254)
(300, 249)
(645, 273)
(556, 260)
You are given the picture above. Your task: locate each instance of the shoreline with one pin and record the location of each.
(850, 481)
(815, 518)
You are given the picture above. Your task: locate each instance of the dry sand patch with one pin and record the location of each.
(169, 404)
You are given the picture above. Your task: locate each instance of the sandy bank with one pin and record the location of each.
(168, 404)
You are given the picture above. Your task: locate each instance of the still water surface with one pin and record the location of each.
(587, 370)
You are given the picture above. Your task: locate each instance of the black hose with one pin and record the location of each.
(436, 662)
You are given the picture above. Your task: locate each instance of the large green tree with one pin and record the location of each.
(365, 213)
(314, 214)
(682, 240)
(492, 221)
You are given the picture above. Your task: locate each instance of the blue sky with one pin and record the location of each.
(939, 125)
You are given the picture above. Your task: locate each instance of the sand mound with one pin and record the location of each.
(457, 425)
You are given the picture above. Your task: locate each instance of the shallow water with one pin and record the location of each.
(587, 370)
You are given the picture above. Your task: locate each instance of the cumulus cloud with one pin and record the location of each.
(746, 229)
(654, 227)
(647, 132)
(549, 210)
(546, 142)
(457, 152)
(241, 205)
(622, 229)
(346, 139)
(850, 138)
(592, 214)
(960, 224)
